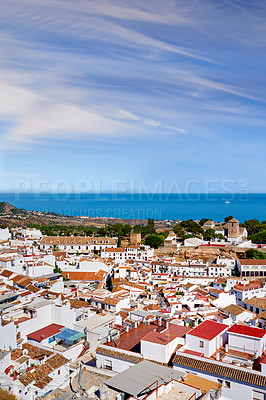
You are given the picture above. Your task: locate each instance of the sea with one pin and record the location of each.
(215, 206)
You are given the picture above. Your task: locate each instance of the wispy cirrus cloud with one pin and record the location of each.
(131, 72)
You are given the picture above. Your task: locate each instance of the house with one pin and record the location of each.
(246, 339)
(159, 346)
(255, 305)
(4, 235)
(74, 244)
(236, 314)
(248, 290)
(142, 379)
(206, 338)
(39, 381)
(236, 382)
(45, 335)
(252, 267)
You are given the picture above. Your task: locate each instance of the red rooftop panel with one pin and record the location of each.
(247, 331)
(131, 339)
(208, 330)
(46, 332)
(167, 335)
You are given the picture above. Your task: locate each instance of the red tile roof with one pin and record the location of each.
(247, 331)
(167, 335)
(46, 332)
(208, 330)
(129, 340)
(84, 276)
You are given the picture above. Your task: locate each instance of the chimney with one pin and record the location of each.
(226, 348)
(218, 356)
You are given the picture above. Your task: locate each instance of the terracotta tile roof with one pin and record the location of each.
(242, 375)
(6, 273)
(16, 353)
(43, 382)
(36, 353)
(253, 261)
(234, 310)
(114, 250)
(257, 302)
(249, 286)
(84, 276)
(110, 351)
(32, 288)
(111, 301)
(40, 374)
(78, 303)
(261, 315)
(77, 240)
(26, 379)
(57, 361)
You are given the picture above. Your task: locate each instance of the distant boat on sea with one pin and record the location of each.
(227, 202)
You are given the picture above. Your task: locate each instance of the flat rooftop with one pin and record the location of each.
(130, 340)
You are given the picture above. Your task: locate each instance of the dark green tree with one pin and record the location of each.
(154, 240)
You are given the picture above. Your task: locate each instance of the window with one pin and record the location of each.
(227, 384)
(201, 344)
(108, 364)
(220, 381)
(59, 372)
(257, 395)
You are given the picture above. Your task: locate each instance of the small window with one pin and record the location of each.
(108, 364)
(201, 344)
(59, 372)
(227, 384)
(220, 381)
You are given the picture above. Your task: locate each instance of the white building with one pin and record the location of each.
(4, 235)
(246, 339)
(206, 338)
(159, 346)
(77, 244)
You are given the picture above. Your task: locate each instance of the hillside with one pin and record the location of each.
(8, 209)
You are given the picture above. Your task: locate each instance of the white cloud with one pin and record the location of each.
(128, 115)
(152, 122)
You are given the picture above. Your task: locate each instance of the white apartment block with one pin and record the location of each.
(77, 244)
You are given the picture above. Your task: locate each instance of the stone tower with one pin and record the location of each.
(232, 227)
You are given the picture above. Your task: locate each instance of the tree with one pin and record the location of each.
(57, 270)
(137, 229)
(192, 227)
(253, 253)
(203, 220)
(6, 395)
(209, 234)
(154, 240)
(164, 234)
(127, 229)
(150, 226)
(228, 218)
(258, 237)
(179, 230)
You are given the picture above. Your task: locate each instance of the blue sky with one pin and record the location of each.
(125, 94)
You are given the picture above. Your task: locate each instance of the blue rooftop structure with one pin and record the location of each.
(69, 336)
